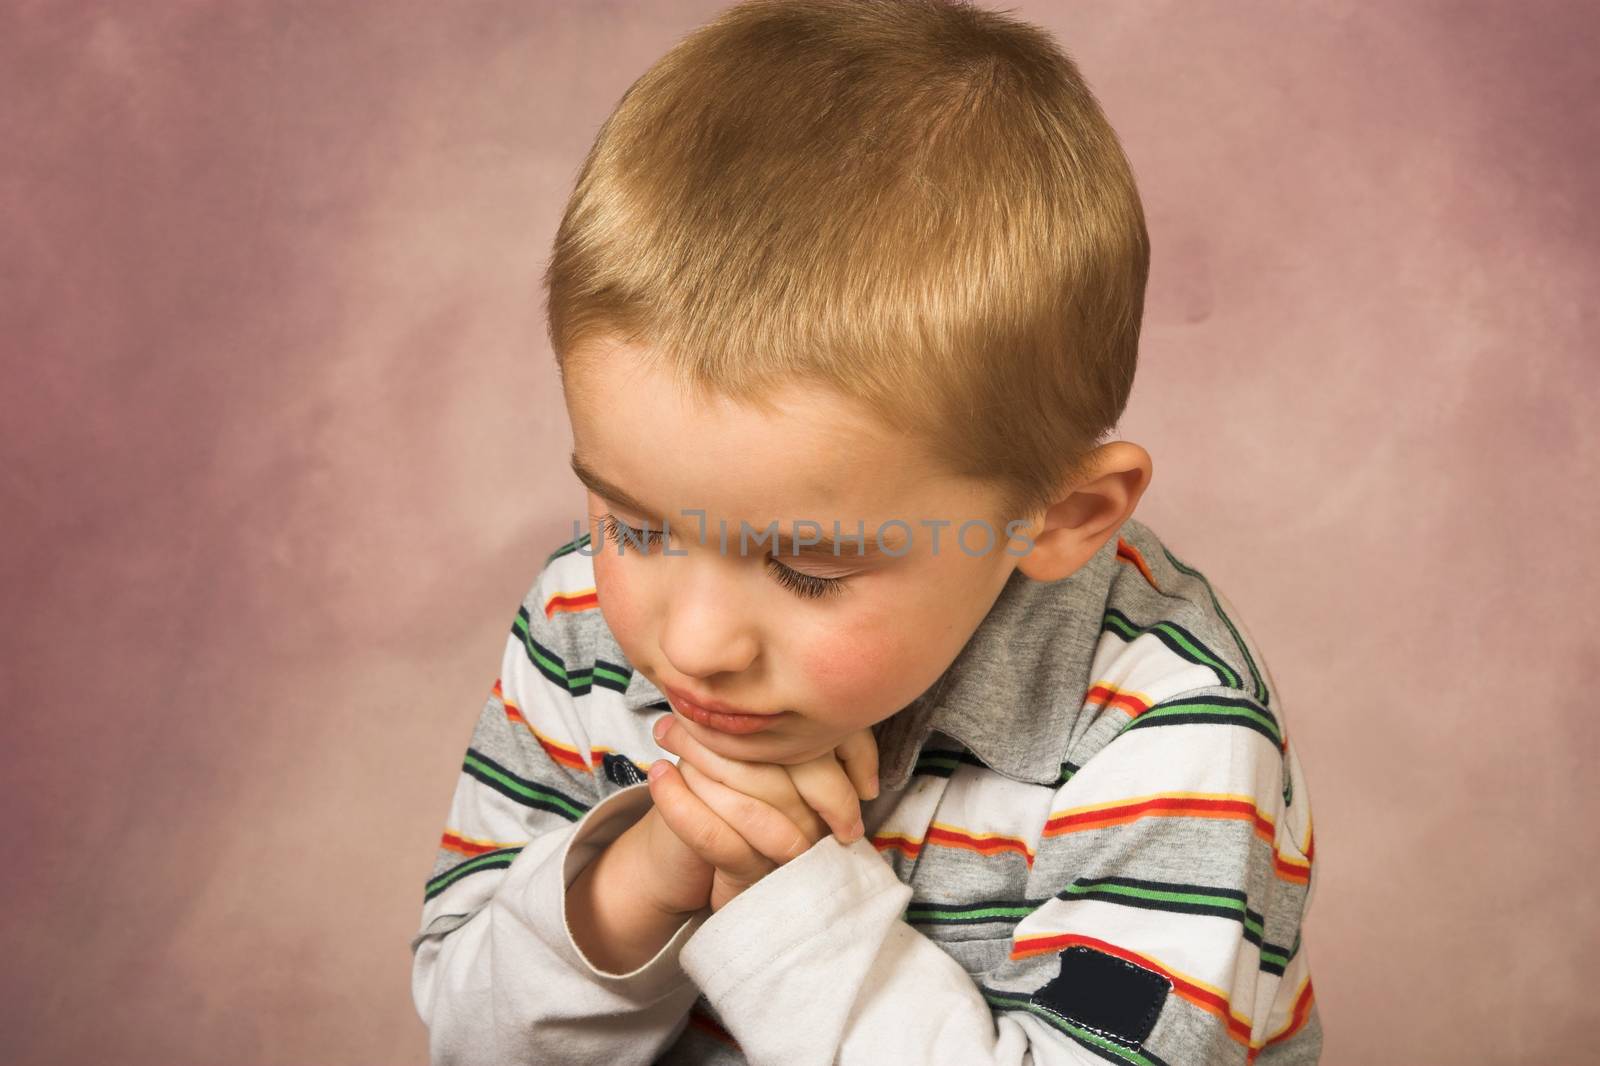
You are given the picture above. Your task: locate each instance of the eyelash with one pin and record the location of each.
(806, 586)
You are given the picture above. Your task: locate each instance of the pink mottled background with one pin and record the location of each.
(283, 449)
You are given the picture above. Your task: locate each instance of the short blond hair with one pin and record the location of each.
(916, 203)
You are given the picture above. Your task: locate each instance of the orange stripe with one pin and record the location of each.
(1300, 1015)
(1180, 805)
(905, 845)
(950, 836)
(1129, 554)
(1161, 805)
(453, 841)
(1290, 870)
(1207, 997)
(1297, 1020)
(1107, 695)
(563, 602)
(561, 754)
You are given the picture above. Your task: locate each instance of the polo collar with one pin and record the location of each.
(1013, 692)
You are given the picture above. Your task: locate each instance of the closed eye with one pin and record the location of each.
(806, 586)
(639, 538)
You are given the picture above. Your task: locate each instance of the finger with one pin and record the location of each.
(775, 785)
(762, 826)
(698, 826)
(791, 807)
(763, 777)
(772, 787)
(859, 754)
(826, 789)
(771, 784)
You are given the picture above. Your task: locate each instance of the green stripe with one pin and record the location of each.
(568, 548)
(1123, 627)
(929, 914)
(1201, 654)
(935, 759)
(535, 650)
(1249, 920)
(1261, 688)
(488, 859)
(1175, 637)
(577, 682)
(611, 675)
(1226, 710)
(526, 789)
(1198, 898)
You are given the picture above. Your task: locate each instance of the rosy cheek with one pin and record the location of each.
(616, 595)
(849, 674)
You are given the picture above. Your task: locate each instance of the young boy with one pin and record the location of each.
(845, 301)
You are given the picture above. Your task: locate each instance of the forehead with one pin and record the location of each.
(808, 454)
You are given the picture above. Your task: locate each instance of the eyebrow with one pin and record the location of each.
(825, 547)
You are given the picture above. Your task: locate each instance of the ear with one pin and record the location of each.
(1087, 514)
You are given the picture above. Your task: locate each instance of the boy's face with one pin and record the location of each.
(724, 625)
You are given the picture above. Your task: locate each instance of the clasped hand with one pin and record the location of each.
(729, 823)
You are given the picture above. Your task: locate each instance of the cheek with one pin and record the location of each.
(855, 677)
(618, 599)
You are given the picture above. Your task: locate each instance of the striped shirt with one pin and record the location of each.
(1092, 844)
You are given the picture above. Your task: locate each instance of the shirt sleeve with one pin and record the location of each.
(1165, 899)
(496, 976)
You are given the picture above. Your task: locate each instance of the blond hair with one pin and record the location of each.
(916, 203)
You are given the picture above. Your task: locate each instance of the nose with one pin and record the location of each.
(706, 627)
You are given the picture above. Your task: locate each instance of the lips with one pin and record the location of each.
(719, 716)
(682, 696)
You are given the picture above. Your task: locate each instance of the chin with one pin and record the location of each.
(775, 748)
(749, 746)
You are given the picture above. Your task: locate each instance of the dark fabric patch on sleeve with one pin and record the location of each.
(620, 770)
(1109, 995)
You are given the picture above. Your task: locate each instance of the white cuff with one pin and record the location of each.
(601, 825)
(804, 906)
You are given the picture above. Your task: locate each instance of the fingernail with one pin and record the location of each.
(663, 724)
(872, 787)
(857, 831)
(657, 769)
